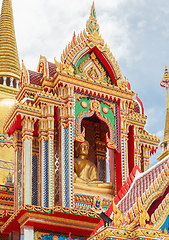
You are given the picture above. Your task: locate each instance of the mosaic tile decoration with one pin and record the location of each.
(71, 149)
(102, 169)
(66, 169)
(123, 159)
(51, 143)
(51, 236)
(126, 161)
(116, 126)
(45, 175)
(27, 173)
(62, 169)
(19, 178)
(34, 180)
(56, 176)
(56, 162)
(107, 166)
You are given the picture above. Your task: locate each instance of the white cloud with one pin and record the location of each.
(141, 24)
(160, 134)
(136, 33)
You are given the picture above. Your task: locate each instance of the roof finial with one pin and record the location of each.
(92, 25)
(9, 64)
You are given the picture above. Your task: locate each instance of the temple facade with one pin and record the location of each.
(80, 148)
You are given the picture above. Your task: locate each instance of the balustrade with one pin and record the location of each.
(4, 81)
(11, 82)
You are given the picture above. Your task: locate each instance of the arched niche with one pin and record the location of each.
(94, 122)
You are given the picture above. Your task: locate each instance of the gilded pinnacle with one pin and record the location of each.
(91, 24)
(9, 60)
(165, 83)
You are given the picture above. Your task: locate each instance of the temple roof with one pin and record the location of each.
(88, 56)
(140, 184)
(148, 186)
(9, 60)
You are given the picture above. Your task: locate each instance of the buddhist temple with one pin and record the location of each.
(79, 148)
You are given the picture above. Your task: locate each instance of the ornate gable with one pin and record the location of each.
(88, 56)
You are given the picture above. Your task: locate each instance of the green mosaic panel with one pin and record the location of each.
(80, 110)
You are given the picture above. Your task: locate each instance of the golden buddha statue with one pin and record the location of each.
(85, 170)
(85, 173)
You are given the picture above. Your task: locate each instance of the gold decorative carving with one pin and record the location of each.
(55, 221)
(97, 203)
(143, 215)
(84, 104)
(95, 105)
(39, 235)
(81, 138)
(117, 216)
(105, 110)
(93, 70)
(109, 143)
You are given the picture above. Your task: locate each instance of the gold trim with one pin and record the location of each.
(163, 155)
(56, 221)
(10, 90)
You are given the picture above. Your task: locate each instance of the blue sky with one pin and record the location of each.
(137, 33)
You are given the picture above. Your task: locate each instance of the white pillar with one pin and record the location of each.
(27, 233)
(11, 82)
(17, 84)
(4, 81)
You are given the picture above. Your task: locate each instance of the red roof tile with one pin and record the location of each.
(35, 77)
(136, 108)
(52, 69)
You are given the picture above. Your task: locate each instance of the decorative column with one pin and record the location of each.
(27, 233)
(66, 150)
(17, 84)
(124, 149)
(145, 155)
(4, 81)
(137, 151)
(56, 160)
(46, 156)
(14, 236)
(35, 172)
(17, 136)
(131, 147)
(50, 139)
(11, 82)
(27, 136)
(43, 159)
(118, 159)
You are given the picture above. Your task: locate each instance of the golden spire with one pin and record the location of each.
(165, 143)
(9, 60)
(92, 25)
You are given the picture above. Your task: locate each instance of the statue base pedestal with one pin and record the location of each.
(104, 190)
